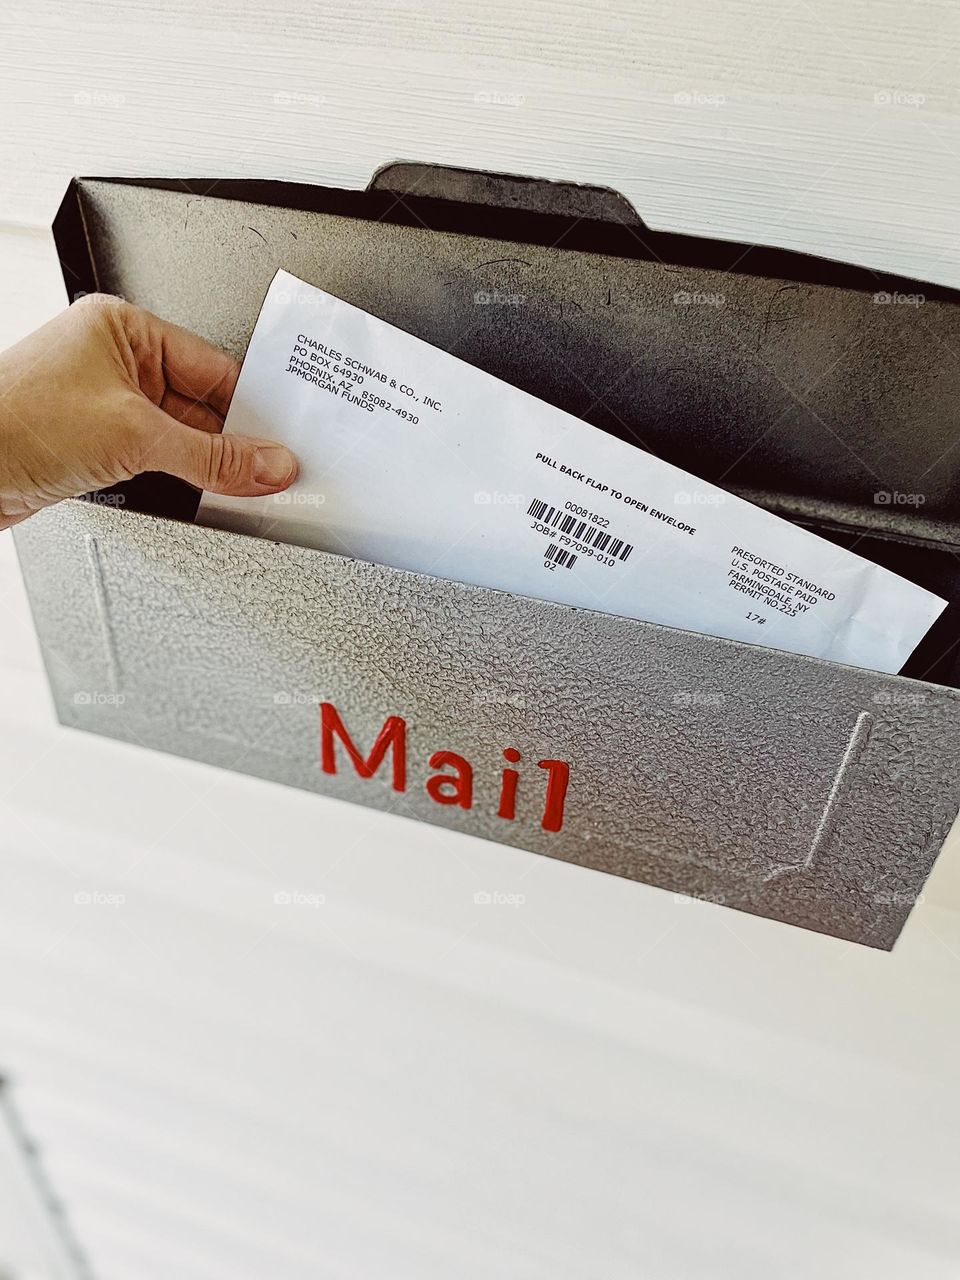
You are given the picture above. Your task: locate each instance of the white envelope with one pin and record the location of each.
(413, 458)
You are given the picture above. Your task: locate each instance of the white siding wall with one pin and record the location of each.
(604, 1082)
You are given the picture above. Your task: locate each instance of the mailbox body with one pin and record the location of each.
(794, 788)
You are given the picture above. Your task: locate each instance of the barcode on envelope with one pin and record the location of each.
(557, 554)
(590, 535)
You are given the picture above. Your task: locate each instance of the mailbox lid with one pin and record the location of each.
(815, 388)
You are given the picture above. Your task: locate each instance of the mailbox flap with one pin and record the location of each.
(789, 787)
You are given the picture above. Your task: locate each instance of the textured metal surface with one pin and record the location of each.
(789, 787)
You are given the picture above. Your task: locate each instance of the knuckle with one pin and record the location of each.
(227, 461)
(100, 313)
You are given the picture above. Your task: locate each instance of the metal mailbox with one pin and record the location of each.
(794, 788)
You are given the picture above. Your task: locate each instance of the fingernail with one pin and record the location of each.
(272, 464)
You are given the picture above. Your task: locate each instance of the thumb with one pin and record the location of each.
(242, 466)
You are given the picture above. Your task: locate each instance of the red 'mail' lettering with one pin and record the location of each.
(453, 786)
(461, 782)
(558, 775)
(392, 735)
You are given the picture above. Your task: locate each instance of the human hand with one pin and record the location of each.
(106, 391)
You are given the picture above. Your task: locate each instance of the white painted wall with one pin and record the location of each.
(33, 1241)
(604, 1082)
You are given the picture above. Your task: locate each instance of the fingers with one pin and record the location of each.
(232, 464)
(192, 413)
(196, 370)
